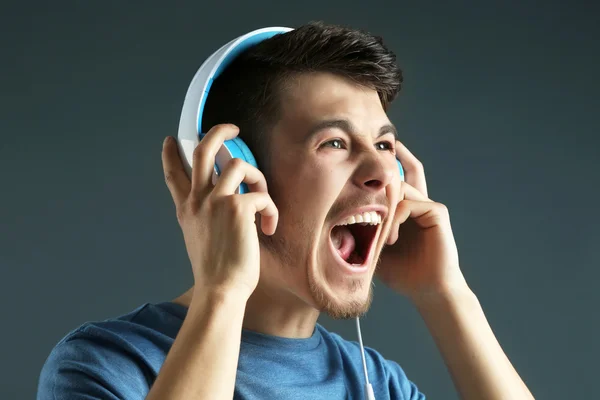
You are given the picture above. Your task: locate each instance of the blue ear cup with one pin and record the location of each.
(401, 170)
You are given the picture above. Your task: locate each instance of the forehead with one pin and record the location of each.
(308, 99)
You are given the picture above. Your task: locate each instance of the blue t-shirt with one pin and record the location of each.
(119, 358)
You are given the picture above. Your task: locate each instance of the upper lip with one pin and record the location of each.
(381, 210)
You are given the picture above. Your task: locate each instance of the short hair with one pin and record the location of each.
(247, 93)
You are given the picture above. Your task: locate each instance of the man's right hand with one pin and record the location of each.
(218, 225)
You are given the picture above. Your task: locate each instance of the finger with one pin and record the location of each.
(413, 168)
(410, 192)
(237, 171)
(174, 172)
(426, 213)
(261, 202)
(205, 153)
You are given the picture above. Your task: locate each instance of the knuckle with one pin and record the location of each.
(261, 175)
(200, 155)
(231, 203)
(401, 207)
(199, 150)
(236, 162)
(194, 204)
(180, 213)
(442, 208)
(169, 178)
(234, 205)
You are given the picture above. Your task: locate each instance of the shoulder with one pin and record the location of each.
(114, 357)
(383, 372)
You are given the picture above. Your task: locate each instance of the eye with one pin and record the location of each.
(384, 146)
(335, 143)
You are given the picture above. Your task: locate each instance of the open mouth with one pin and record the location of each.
(353, 241)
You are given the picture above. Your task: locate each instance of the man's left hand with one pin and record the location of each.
(421, 258)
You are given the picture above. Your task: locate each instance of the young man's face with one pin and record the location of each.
(321, 178)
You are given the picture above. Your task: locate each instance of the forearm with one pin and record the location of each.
(476, 362)
(202, 361)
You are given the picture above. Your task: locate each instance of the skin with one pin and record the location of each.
(314, 179)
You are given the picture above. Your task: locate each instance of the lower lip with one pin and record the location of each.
(348, 268)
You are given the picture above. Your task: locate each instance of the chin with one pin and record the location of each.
(348, 299)
(341, 290)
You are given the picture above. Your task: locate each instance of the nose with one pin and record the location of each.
(375, 172)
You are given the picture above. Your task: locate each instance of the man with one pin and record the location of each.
(311, 105)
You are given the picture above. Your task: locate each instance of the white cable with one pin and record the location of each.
(368, 388)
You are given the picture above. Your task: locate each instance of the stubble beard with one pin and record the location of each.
(288, 256)
(347, 310)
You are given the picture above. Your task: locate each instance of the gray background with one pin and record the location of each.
(500, 104)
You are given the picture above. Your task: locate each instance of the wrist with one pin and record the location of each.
(214, 297)
(445, 296)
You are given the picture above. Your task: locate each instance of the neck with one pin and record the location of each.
(274, 312)
(279, 313)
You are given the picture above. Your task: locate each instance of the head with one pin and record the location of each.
(312, 106)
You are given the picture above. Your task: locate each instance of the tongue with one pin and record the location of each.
(343, 241)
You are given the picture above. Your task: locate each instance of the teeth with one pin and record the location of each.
(366, 218)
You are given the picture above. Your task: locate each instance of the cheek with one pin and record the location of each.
(324, 181)
(316, 195)
(304, 191)
(312, 188)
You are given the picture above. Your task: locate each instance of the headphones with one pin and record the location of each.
(190, 123)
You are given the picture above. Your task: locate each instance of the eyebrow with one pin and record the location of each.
(347, 127)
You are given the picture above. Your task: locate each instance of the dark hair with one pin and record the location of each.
(247, 91)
